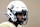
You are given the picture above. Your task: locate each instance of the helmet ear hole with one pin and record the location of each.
(10, 14)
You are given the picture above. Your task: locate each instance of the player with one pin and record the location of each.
(17, 13)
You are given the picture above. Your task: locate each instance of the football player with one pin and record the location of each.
(17, 13)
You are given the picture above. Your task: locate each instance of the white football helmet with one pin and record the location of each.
(14, 7)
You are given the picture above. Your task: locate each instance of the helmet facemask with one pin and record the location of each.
(23, 18)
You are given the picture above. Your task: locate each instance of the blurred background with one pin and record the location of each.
(33, 15)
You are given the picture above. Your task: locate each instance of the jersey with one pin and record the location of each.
(8, 24)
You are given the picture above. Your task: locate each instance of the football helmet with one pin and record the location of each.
(16, 7)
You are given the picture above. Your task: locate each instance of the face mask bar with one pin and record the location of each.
(25, 22)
